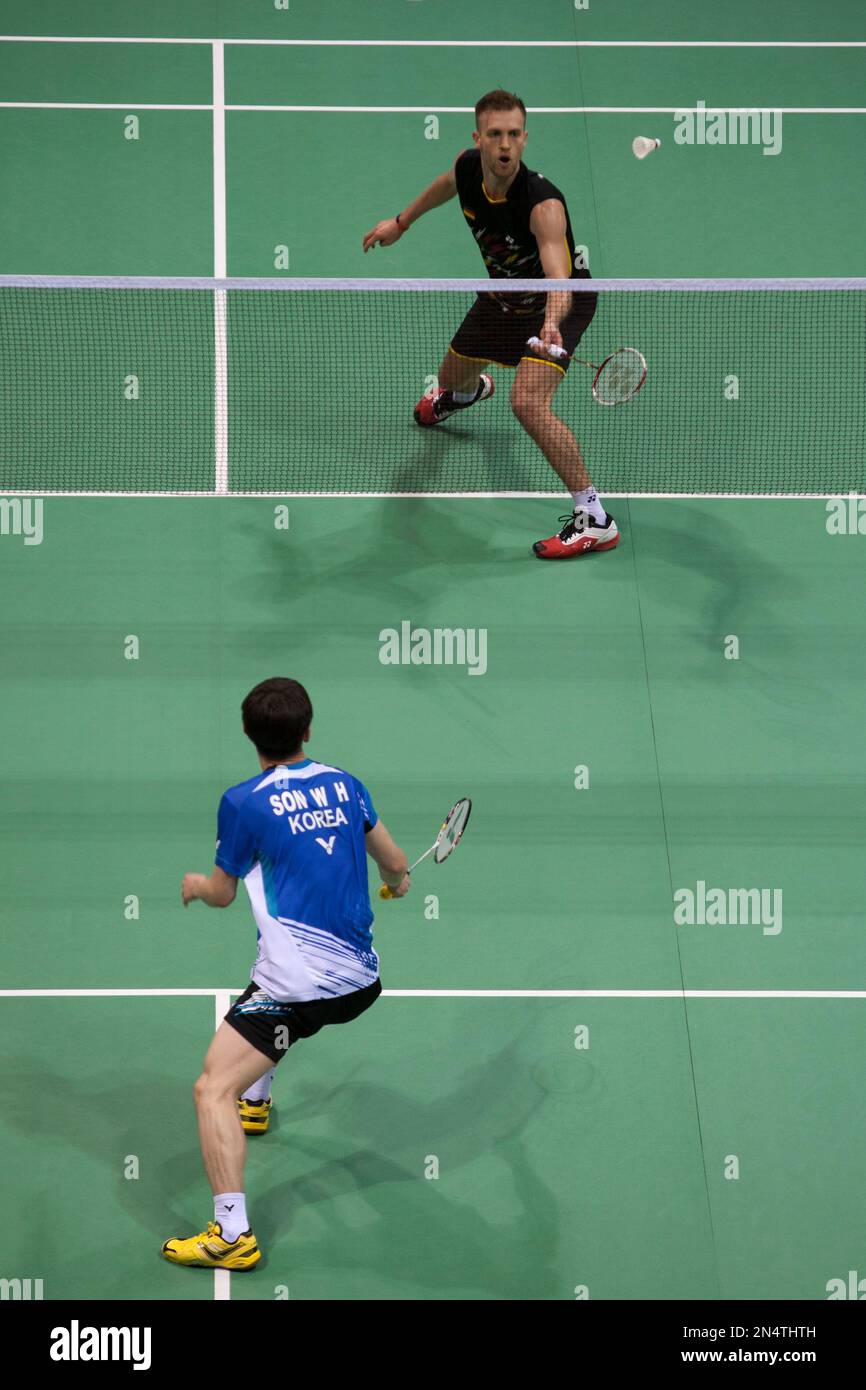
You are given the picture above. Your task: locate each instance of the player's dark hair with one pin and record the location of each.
(276, 715)
(500, 100)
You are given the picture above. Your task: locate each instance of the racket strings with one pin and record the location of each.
(620, 377)
(451, 831)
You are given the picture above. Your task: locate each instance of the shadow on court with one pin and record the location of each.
(422, 1234)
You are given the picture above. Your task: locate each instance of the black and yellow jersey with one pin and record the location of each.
(501, 227)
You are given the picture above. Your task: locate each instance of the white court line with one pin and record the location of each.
(222, 1278)
(222, 996)
(433, 107)
(464, 496)
(220, 310)
(221, 394)
(454, 43)
(298, 284)
(108, 105)
(219, 162)
(577, 110)
(88, 38)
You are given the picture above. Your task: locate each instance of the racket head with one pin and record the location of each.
(452, 829)
(620, 377)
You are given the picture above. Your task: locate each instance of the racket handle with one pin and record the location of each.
(556, 351)
(385, 892)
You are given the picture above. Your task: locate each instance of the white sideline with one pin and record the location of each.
(462, 496)
(222, 996)
(220, 309)
(452, 43)
(431, 107)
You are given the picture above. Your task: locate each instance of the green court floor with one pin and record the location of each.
(558, 1167)
(81, 198)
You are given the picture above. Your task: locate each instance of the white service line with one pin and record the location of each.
(457, 496)
(430, 108)
(112, 993)
(453, 43)
(625, 993)
(108, 105)
(549, 43)
(88, 38)
(223, 996)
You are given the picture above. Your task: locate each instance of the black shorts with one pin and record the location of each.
(496, 335)
(272, 1026)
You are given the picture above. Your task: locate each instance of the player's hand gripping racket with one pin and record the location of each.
(617, 380)
(446, 841)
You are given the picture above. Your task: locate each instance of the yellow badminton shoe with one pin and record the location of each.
(255, 1115)
(209, 1251)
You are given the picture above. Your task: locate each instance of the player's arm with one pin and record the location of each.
(547, 224)
(389, 858)
(440, 191)
(218, 890)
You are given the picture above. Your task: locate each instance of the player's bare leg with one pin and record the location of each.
(531, 400)
(461, 384)
(460, 373)
(231, 1065)
(589, 527)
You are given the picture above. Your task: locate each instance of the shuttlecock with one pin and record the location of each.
(642, 146)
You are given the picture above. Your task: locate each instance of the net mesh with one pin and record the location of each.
(293, 387)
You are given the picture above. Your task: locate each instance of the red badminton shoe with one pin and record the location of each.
(579, 535)
(432, 410)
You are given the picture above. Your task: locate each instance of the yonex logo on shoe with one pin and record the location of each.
(438, 646)
(77, 1343)
(22, 516)
(720, 907)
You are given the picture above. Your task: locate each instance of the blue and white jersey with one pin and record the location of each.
(295, 835)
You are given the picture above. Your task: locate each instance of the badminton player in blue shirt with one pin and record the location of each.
(298, 833)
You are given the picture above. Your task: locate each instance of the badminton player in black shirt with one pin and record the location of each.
(521, 224)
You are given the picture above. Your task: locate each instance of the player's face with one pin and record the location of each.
(500, 137)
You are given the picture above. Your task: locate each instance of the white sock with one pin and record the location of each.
(588, 500)
(467, 397)
(230, 1210)
(261, 1089)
